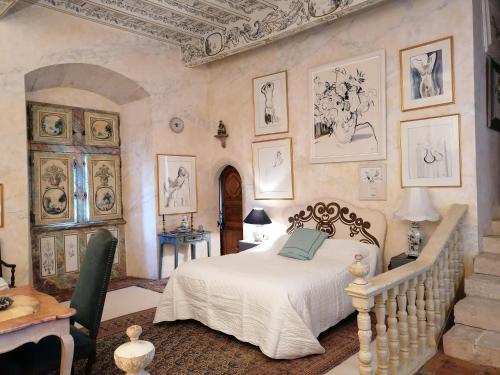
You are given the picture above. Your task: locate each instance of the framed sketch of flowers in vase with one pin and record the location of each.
(347, 110)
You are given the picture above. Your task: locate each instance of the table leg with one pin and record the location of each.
(67, 347)
(160, 261)
(193, 251)
(208, 246)
(176, 255)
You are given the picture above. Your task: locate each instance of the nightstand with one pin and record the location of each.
(245, 245)
(399, 260)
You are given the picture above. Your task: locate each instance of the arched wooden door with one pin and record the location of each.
(231, 210)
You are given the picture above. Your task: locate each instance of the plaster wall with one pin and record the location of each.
(392, 26)
(28, 41)
(487, 140)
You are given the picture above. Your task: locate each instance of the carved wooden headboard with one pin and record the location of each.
(341, 220)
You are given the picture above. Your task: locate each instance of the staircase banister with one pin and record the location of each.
(430, 254)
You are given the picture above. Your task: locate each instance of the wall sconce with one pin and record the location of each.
(222, 134)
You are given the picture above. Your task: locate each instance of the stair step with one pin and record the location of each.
(488, 264)
(495, 227)
(485, 286)
(473, 344)
(478, 312)
(491, 244)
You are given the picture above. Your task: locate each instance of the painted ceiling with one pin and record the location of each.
(207, 30)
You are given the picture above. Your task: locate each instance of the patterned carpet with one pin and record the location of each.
(188, 347)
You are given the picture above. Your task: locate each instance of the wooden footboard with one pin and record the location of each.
(416, 299)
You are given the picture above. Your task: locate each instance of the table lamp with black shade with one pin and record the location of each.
(416, 207)
(258, 217)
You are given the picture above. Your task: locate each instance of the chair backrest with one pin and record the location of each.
(90, 290)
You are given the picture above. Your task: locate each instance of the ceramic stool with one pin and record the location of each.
(134, 356)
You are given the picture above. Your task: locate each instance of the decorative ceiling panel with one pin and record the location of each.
(207, 30)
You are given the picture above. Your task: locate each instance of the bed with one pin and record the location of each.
(280, 304)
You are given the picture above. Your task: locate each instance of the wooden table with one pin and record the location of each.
(179, 238)
(39, 316)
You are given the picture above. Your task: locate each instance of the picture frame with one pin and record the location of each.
(1, 206)
(430, 152)
(71, 253)
(348, 110)
(427, 74)
(53, 189)
(101, 129)
(272, 162)
(104, 178)
(372, 182)
(491, 28)
(493, 94)
(48, 256)
(51, 124)
(270, 98)
(176, 184)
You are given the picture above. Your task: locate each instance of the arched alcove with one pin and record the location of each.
(94, 78)
(137, 167)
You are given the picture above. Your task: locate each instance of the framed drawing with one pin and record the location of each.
(104, 187)
(52, 125)
(48, 256)
(347, 109)
(270, 99)
(491, 28)
(101, 129)
(372, 182)
(273, 169)
(427, 74)
(53, 187)
(493, 94)
(71, 254)
(1, 205)
(176, 184)
(430, 152)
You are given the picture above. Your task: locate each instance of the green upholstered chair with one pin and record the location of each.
(88, 300)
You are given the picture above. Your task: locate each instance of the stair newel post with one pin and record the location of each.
(412, 318)
(403, 323)
(437, 299)
(382, 348)
(363, 304)
(422, 329)
(429, 309)
(393, 332)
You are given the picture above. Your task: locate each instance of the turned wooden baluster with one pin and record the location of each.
(392, 332)
(442, 291)
(429, 309)
(460, 250)
(446, 280)
(403, 324)
(360, 271)
(422, 328)
(412, 318)
(437, 300)
(382, 348)
(458, 265)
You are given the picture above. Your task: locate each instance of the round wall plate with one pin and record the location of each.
(176, 124)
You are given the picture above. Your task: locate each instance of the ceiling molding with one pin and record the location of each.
(207, 30)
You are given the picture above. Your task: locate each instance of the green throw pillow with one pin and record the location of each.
(303, 244)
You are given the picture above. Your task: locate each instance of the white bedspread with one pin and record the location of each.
(277, 303)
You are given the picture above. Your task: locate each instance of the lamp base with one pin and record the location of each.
(415, 238)
(258, 234)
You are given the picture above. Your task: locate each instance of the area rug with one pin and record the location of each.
(189, 347)
(114, 284)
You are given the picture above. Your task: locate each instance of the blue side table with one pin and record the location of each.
(179, 238)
